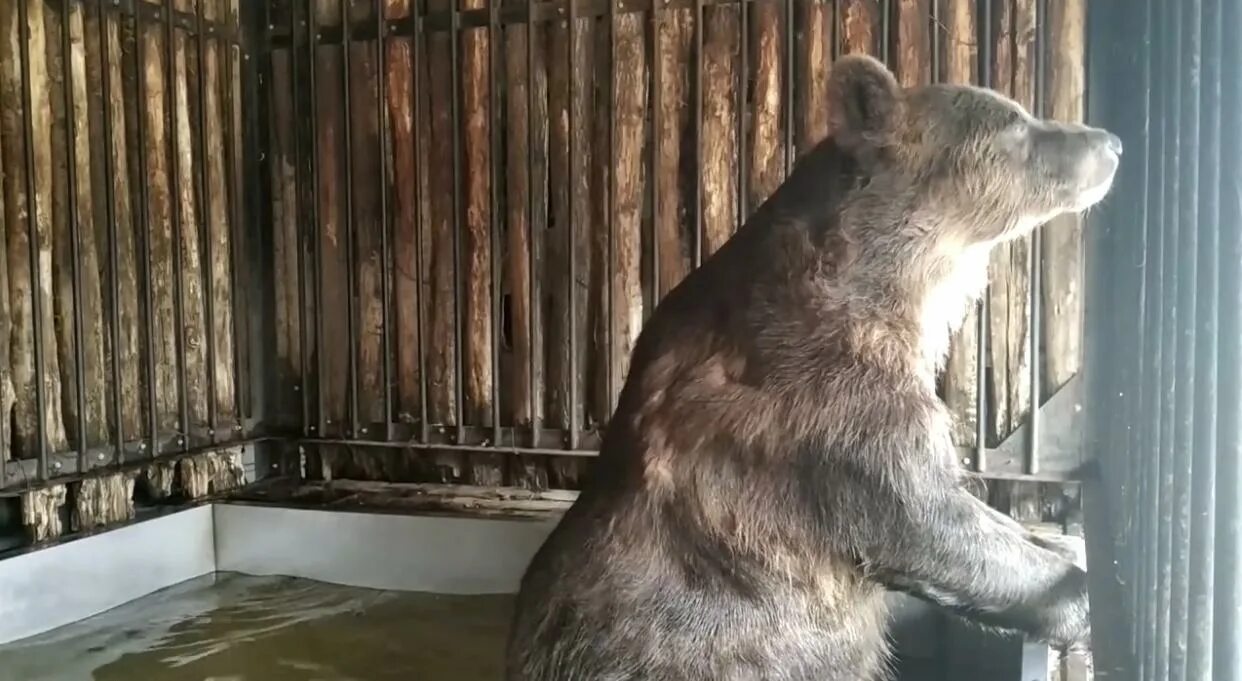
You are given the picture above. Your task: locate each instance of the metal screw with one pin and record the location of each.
(966, 461)
(100, 456)
(142, 446)
(180, 440)
(312, 429)
(297, 388)
(362, 430)
(211, 432)
(56, 465)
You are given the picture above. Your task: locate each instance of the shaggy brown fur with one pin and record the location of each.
(779, 455)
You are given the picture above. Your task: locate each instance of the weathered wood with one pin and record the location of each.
(570, 192)
(912, 65)
(41, 513)
(193, 301)
(211, 473)
(159, 233)
(440, 345)
(1062, 260)
(860, 28)
(219, 231)
(814, 55)
(479, 375)
(767, 164)
(93, 418)
(285, 242)
(231, 64)
(960, 378)
(526, 135)
(7, 396)
(103, 501)
(674, 221)
(408, 152)
(18, 203)
(720, 147)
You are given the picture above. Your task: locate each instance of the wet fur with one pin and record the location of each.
(779, 456)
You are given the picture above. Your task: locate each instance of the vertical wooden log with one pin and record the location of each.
(913, 62)
(859, 28)
(366, 165)
(407, 152)
(720, 218)
(526, 136)
(486, 469)
(159, 228)
(95, 416)
(672, 174)
(600, 229)
(1062, 262)
(218, 231)
(285, 225)
(333, 222)
(107, 53)
(441, 307)
(814, 53)
(22, 286)
(960, 378)
(7, 396)
(767, 166)
(193, 300)
(570, 203)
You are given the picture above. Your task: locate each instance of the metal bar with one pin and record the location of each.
(174, 197)
(787, 78)
(458, 271)
(75, 249)
(321, 368)
(533, 261)
(420, 310)
(611, 193)
(886, 31)
(1030, 463)
(140, 80)
(451, 447)
(208, 268)
(32, 233)
(114, 286)
(386, 225)
(351, 222)
(657, 105)
(572, 271)
(743, 91)
(1207, 322)
(493, 174)
(304, 254)
(237, 233)
(934, 29)
(697, 132)
(981, 309)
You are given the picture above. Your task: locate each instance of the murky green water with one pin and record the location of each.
(240, 628)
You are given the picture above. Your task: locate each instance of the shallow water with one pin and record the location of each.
(240, 628)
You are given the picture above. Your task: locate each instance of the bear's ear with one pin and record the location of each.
(864, 99)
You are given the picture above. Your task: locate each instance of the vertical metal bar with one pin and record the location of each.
(312, 84)
(140, 70)
(886, 31)
(174, 197)
(1203, 487)
(936, 46)
(981, 310)
(1030, 463)
(75, 242)
(533, 260)
(208, 237)
(458, 270)
(32, 228)
(386, 260)
(351, 223)
(743, 92)
(1187, 77)
(237, 230)
(493, 163)
(304, 254)
(697, 133)
(572, 273)
(420, 311)
(611, 226)
(1227, 617)
(114, 304)
(657, 115)
(787, 78)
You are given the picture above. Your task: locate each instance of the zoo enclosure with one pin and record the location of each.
(426, 257)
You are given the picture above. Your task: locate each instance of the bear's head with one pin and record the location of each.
(969, 159)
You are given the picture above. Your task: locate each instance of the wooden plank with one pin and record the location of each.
(814, 54)
(526, 135)
(193, 295)
(1062, 261)
(285, 224)
(22, 286)
(231, 65)
(859, 27)
(7, 396)
(441, 307)
(912, 65)
(767, 163)
(220, 234)
(672, 172)
(960, 378)
(720, 147)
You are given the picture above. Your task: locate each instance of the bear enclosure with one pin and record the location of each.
(400, 243)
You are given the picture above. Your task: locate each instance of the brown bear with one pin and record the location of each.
(779, 456)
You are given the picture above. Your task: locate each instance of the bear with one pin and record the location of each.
(779, 457)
